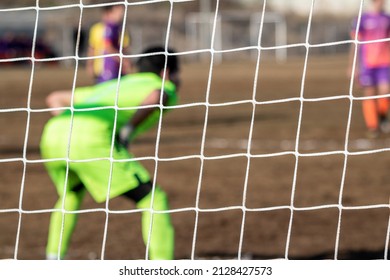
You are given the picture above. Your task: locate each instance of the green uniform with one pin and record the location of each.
(85, 138)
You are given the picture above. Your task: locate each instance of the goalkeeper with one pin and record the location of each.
(86, 139)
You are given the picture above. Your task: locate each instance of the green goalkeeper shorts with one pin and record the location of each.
(87, 157)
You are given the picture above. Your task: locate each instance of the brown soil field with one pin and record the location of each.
(323, 197)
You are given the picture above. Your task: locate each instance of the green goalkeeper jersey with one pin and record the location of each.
(115, 105)
(84, 136)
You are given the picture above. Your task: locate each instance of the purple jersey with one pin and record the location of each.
(105, 38)
(111, 37)
(112, 34)
(374, 58)
(372, 27)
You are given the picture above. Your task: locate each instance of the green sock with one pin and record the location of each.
(162, 241)
(72, 203)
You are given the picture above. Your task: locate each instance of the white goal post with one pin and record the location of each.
(280, 25)
(199, 28)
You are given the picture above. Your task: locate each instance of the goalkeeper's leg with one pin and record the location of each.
(73, 201)
(162, 241)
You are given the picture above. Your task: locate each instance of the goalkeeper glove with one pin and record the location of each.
(124, 135)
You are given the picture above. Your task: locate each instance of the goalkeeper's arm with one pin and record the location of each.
(148, 106)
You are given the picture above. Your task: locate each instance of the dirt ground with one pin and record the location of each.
(279, 199)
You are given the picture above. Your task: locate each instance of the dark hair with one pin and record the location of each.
(155, 63)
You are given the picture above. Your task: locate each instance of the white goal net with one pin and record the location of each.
(261, 159)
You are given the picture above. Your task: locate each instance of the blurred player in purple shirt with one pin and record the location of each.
(373, 67)
(104, 39)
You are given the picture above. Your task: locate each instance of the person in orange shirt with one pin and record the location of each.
(373, 67)
(105, 39)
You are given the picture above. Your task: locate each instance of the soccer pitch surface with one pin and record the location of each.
(208, 181)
